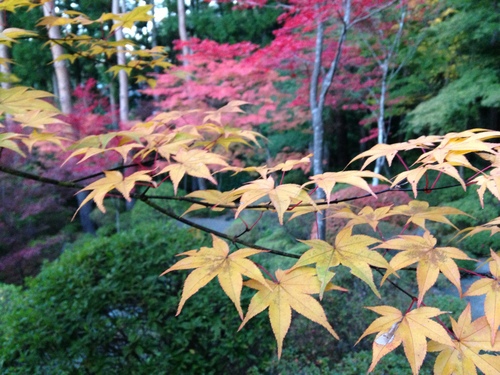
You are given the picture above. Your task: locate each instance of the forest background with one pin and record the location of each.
(398, 70)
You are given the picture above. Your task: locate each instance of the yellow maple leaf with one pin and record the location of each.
(290, 290)
(37, 118)
(231, 107)
(19, 100)
(490, 182)
(419, 212)
(211, 197)
(227, 135)
(367, 215)
(36, 137)
(9, 35)
(431, 260)
(281, 196)
(383, 150)
(217, 261)
(459, 144)
(493, 226)
(90, 146)
(261, 170)
(449, 169)
(193, 163)
(290, 164)
(303, 209)
(390, 151)
(127, 20)
(6, 141)
(349, 250)
(12, 5)
(112, 180)
(464, 356)
(412, 176)
(491, 288)
(411, 329)
(328, 180)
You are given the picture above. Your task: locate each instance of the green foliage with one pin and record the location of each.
(393, 364)
(455, 71)
(224, 25)
(456, 105)
(101, 308)
(27, 51)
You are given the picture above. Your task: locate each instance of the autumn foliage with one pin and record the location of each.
(165, 148)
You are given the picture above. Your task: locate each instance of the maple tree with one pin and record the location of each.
(164, 147)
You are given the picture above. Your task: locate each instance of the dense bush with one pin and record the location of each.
(101, 308)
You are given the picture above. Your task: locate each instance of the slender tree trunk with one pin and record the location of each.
(122, 75)
(181, 14)
(60, 67)
(381, 128)
(4, 53)
(384, 65)
(64, 94)
(5, 67)
(154, 43)
(197, 183)
(317, 95)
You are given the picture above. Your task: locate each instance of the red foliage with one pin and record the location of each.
(91, 110)
(216, 73)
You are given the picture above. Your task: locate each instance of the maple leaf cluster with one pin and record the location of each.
(173, 152)
(172, 145)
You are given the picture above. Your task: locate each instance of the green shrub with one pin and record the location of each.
(102, 309)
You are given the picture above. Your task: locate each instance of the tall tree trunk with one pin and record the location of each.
(154, 43)
(384, 66)
(181, 14)
(381, 128)
(116, 8)
(317, 95)
(60, 68)
(4, 53)
(5, 67)
(64, 95)
(197, 183)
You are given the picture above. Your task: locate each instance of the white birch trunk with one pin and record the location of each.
(198, 183)
(317, 95)
(63, 89)
(121, 60)
(384, 65)
(60, 67)
(4, 52)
